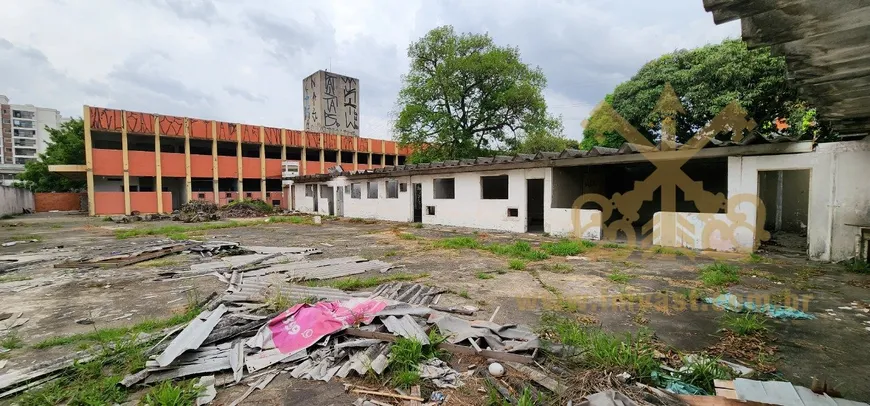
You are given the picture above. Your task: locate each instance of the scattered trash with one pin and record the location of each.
(85, 322)
(11, 243)
(196, 211)
(437, 397)
(208, 391)
(495, 369)
(440, 373)
(730, 302)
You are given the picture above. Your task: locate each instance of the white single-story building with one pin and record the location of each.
(728, 197)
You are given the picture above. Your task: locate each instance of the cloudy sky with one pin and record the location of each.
(244, 61)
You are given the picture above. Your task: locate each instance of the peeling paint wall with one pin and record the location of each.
(15, 200)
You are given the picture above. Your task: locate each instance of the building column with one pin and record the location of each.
(337, 154)
(262, 163)
(383, 154)
(158, 171)
(304, 153)
(322, 164)
(214, 163)
(396, 159)
(89, 160)
(370, 153)
(239, 161)
(188, 182)
(355, 150)
(125, 159)
(283, 158)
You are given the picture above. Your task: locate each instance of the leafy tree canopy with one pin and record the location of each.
(67, 146)
(464, 94)
(706, 79)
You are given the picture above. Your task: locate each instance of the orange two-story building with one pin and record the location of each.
(150, 163)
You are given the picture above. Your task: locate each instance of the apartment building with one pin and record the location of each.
(24, 133)
(151, 163)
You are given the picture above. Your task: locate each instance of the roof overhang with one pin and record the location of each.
(546, 161)
(825, 47)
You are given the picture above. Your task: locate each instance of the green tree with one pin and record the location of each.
(543, 141)
(463, 94)
(67, 146)
(706, 79)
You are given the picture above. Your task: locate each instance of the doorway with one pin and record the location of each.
(535, 205)
(328, 193)
(314, 193)
(339, 201)
(785, 196)
(418, 202)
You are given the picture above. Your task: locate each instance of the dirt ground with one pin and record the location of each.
(832, 347)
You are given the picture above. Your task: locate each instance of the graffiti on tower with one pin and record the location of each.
(331, 103)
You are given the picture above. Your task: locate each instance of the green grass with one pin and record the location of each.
(25, 237)
(277, 301)
(566, 247)
(14, 278)
(857, 265)
(168, 393)
(517, 264)
(94, 382)
(407, 354)
(719, 274)
(11, 341)
(484, 275)
(390, 254)
(595, 348)
(519, 249)
(561, 268)
(160, 262)
(108, 335)
(417, 225)
(464, 294)
(618, 276)
(176, 230)
(755, 258)
(292, 219)
(254, 204)
(612, 245)
(669, 251)
(458, 243)
(362, 283)
(743, 323)
(408, 236)
(703, 371)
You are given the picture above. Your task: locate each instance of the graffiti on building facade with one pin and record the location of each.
(331, 103)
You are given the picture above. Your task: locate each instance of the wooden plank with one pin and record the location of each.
(700, 400)
(726, 393)
(453, 348)
(720, 383)
(415, 391)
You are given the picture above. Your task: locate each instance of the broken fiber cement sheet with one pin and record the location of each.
(784, 393)
(192, 336)
(499, 338)
(303, 325)
(731, 302)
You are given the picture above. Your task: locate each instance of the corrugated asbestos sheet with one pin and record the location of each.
(256, 290)
(405, 326)
(412, 293)
(322, 269)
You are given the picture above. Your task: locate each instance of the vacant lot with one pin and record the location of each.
(524, 277)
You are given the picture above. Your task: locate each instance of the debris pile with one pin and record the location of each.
(247, 208)
(196, 211)
(118, 259)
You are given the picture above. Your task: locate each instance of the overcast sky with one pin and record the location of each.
(244, 61)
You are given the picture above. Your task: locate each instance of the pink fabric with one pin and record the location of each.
(303, 325)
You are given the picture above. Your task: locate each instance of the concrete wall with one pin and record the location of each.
(15, 200)
(467, 209)
(838, 200)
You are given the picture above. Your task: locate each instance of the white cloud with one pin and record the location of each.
(244, 61)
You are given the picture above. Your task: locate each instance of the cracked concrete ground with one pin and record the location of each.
(831, 347)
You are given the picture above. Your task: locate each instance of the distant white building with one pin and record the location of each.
(23, 134)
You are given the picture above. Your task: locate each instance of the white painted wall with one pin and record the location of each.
(560, 222)
(400, 209)
(838, 196)
(14, 200)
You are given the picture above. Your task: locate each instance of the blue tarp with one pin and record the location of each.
(732, 303)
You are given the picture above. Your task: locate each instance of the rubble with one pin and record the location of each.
(247, 208)
(196, 211)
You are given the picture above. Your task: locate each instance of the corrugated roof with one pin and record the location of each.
(545, 158)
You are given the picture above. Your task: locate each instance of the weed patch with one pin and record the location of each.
(857, 265)
(160, 262)
(168, 393)
(755, 258)
(519, 249)
(291, 219)
(108, 335)
(464, 294)
(743, 324)
(618, 276)
(175, 229)
(669, 251)
(484, 275)
(458, 243)
(703, 370)
(362, 283)
(408, 236)
(13, 278)
(595, 348)
(11, 341)
(566, 247)
(612, 245)
(719, 274)
(407, 354)
(561, 268)
(517, 264)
